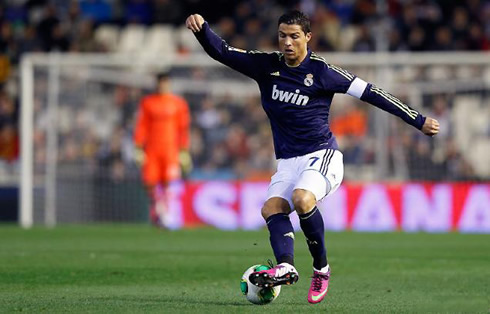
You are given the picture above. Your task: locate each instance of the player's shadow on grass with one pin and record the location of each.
(173, 299)
(182, 301)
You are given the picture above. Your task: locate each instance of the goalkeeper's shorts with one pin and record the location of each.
(157, 169)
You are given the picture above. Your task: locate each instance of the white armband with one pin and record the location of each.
(357, 87)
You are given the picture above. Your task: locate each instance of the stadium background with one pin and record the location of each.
(391, 169)
(94, 59)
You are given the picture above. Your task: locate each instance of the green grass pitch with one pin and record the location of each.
(137, 269)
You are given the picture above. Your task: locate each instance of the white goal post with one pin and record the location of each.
(394, 72)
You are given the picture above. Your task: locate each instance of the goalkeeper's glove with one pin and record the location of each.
(139, 156)
(185, 161)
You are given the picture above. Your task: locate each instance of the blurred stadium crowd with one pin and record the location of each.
(415, 25)
(230, 139)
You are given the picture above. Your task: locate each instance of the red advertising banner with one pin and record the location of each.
(412, 207)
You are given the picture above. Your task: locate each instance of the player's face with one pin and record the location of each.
(293, 43)
(164, 86)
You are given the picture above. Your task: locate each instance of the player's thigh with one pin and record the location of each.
(322, 173)
(282, 183)
(151, 170)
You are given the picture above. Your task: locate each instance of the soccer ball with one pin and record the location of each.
(255, 294)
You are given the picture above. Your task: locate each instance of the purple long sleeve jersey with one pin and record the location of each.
(297, 99)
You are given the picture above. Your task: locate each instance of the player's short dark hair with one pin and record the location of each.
(162, 75)
(296, 17)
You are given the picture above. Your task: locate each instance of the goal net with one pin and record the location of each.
(78, 113)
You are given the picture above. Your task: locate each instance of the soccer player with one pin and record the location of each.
(161, 139)
(297, 87)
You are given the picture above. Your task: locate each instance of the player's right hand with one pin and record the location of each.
(430, 127)
(139, 156)
(194, 22)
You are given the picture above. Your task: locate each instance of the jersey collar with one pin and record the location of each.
(305, 61)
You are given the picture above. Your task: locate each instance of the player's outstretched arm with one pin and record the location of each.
(339, 80)
(237, 59)
(387, 102)
(430, 127)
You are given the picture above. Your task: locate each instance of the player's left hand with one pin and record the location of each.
(430, 127)
(139, 156)
(185, 161)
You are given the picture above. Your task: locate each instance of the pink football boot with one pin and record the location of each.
(319, 286)
(282, 274)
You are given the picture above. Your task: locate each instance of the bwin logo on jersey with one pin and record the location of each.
(290, 97)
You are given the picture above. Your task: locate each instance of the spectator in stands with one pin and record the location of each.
(8, 45)
(364, 42)
(327, 29)
(85, 41)
(45, 27)
(30, 41)
(349, 124)
(111, 157)
(167, 11)
(420, 160)
(459, 26)
(364, 12)
(395, 42)
(440, 111)
(138, 11)
(236, 144)
(443, 39)
(243, 12)
(253, 27)
(342, 9)
(9, 142)
(227, 28)
(417, 39)
(73, 16)
(476, 39)
(58, 40)
(454, 166)
(422, 25)
(406, 22)
(126, 104)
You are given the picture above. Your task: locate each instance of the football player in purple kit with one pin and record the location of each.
(297, 87)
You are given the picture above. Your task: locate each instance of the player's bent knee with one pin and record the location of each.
(303, 201)
(274, 206)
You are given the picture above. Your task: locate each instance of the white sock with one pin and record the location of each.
(324, 270)
(287, 265)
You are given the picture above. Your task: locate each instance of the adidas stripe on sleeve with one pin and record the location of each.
(339, 80)
(246, 62)
(378, 97)
(334, 78)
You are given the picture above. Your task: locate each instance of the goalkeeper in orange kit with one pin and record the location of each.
(161, 138)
